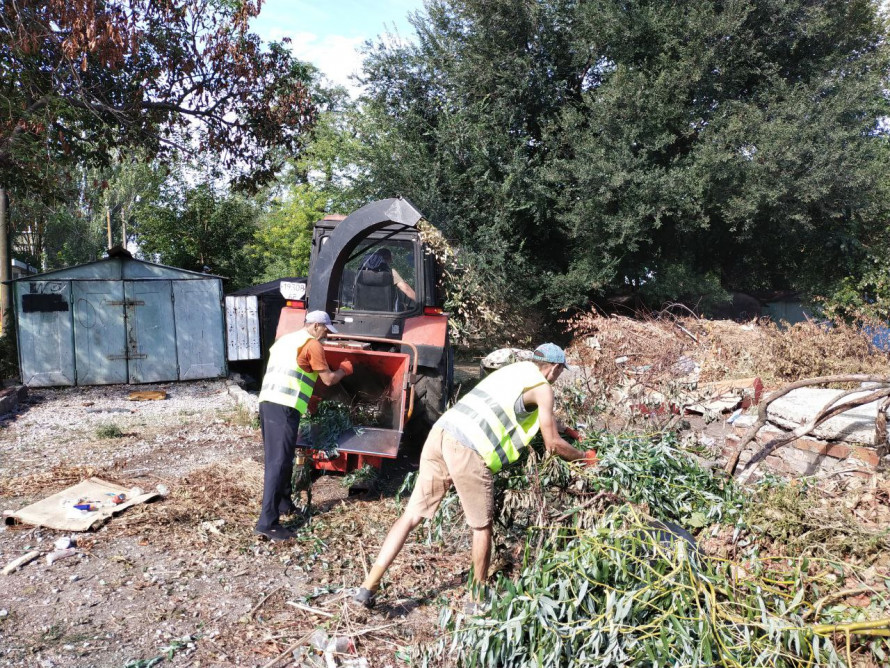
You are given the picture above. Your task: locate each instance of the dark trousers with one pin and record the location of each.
(279, 425)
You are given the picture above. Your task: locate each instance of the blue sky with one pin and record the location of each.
(330, 33)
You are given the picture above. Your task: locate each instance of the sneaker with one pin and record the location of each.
(276, 533)
(365, 598)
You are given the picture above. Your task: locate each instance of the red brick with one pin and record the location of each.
(867, 456)
(823, 448)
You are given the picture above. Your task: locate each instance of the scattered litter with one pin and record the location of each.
(17, 563)
(735, 416)
(162, 489)
(147, 395)
(79, 507)
(58, 555)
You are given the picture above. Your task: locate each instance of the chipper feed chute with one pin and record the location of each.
(377, 393)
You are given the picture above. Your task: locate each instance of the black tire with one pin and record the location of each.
(432, 392)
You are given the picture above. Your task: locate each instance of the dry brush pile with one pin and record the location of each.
(633, 365)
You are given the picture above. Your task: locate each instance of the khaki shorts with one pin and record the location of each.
(444, 461)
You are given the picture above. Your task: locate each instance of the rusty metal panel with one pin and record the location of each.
(151, 337)
(45, 332)
(243, 328)
(100, 339)
(200, 332)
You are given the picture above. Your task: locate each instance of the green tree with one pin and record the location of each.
(200, 229)
(78, 80)
(583, 148)
(282, 241)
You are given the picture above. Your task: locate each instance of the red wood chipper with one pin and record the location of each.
(372, 273)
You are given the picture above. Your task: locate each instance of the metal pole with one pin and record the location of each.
(5, 288)
(108, 223)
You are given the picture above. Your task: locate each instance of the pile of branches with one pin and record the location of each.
(620, 594)
(657, 360)
(605, 574)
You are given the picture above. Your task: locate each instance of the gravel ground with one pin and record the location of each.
(183, 581)
(69, 426)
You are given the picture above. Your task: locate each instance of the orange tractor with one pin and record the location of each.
(372, 273)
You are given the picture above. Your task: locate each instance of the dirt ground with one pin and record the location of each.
(183, 581)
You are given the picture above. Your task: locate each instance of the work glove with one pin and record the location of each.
(572, 433)
(346, 367)
(590, 458)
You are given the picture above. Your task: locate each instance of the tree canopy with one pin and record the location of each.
(79, 78)
(584, 148)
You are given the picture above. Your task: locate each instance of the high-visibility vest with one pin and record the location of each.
(286, 383)
(487, 414)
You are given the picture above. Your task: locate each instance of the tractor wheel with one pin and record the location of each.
(432, 391)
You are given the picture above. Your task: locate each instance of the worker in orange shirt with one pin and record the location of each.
(296, 362)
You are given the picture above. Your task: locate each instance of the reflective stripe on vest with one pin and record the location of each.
(487, 415)
(285, 383)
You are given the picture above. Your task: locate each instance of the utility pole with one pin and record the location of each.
(5, 288)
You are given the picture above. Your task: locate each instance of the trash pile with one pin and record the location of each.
(606, 571)
(83, 505)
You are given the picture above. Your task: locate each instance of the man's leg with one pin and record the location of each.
(278, 425)
(475, 488)
(392, 545)
(432, 483)
(481, 554)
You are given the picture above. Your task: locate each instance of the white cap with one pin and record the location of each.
(321, 318)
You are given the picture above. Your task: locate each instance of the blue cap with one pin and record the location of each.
(549, 352)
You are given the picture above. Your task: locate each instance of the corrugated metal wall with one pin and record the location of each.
(119, 321)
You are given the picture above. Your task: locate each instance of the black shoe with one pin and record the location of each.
(365, 598)
(276, 533)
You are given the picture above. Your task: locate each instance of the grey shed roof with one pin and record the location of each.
(116, 268)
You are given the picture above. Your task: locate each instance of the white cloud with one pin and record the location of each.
(337, 56)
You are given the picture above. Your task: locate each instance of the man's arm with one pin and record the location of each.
(329, 377)
(402, 285)
(319, 364)
(542, 397)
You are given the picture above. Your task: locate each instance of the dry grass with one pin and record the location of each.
(46, 483)
(655, 355)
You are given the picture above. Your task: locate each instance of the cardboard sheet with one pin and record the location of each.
(53, 514)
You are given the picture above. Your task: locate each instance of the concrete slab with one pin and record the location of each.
(802, 405)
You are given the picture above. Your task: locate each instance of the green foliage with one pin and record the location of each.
(9, 356)
(672, 485)
(366, 476)
(322, 428)
(681, 282)
(282, 241)
(81, 81)
(619, 596)
(863, 298)
(575, 149)
(650, 471)
(199, 229)
(108, 430)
